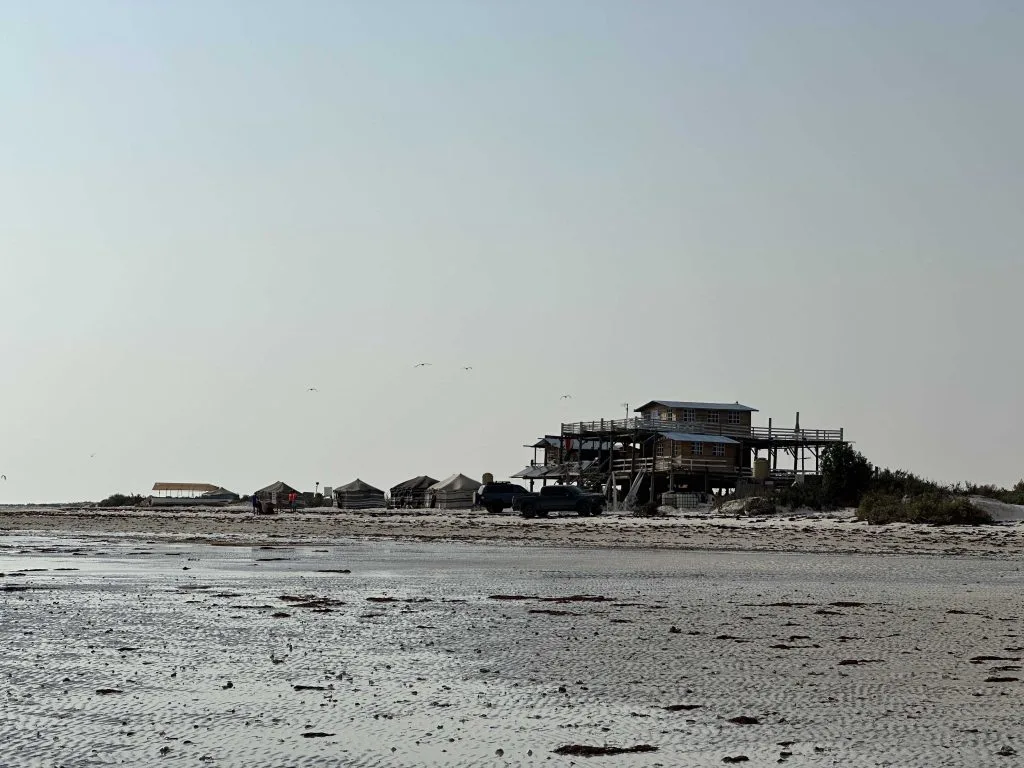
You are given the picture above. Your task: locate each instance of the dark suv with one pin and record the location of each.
(559, 498)
(494, 497)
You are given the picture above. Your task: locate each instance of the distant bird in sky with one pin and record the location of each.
(3, 477)
(312, 389)
(420, 365)
(467, 367)
(92, 455)
(565, 397)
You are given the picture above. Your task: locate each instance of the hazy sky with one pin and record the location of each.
(207, 207)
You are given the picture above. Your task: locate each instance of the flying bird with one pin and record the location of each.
(565, 397)
(420, 365)
(467, 367)
(312, 389)
(3, 477)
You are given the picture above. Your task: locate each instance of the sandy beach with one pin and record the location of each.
(832, 533)
(128, 651)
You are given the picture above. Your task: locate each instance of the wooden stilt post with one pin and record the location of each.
(611, 467)
(632, 459)
(796, 459)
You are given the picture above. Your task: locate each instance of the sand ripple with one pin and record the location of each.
(812, 660)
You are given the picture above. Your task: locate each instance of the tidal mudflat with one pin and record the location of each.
(128, 651)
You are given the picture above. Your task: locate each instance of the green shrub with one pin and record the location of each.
(121, 500)
(933, 508)
(845, 475)
(901, 483)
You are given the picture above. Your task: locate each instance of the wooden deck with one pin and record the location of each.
(754, 437)
(661, 464)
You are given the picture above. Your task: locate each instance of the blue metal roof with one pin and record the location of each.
(685, 437)
(699, 406)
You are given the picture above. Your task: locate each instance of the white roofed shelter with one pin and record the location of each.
(455, 492)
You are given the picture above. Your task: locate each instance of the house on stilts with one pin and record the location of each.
(679, 446)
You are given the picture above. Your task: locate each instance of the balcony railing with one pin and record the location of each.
(677, 464)
(737, 431)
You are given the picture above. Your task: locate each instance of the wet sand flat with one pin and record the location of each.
(133, 651)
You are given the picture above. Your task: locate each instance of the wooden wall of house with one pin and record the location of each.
(684, 450)
(700, 416)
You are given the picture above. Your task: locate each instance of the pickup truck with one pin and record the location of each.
(559, 498)
(494, 497)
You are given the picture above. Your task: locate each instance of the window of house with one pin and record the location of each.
(718, 450)
(655, 414)
(734, 417)
(712, 417)
(689, 414)
(697, 449)
(677, 449)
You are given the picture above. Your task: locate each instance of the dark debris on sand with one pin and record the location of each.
(583, 750)
(566, 599)
(744, 720)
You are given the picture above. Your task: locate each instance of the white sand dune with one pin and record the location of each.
(153, 652)
(1000, 512)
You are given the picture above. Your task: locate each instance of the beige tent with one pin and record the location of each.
(359, 495)
(413, 492)
(455, 492)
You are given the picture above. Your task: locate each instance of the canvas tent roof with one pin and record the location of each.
(698, 406)
(456, 482)
(218, 491)
(420, 483)
(277, 487)
(356, 486)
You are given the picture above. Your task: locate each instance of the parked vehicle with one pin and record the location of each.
(494, 497)
(559, 498)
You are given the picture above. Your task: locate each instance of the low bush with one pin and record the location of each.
(1013, 495)
(759, 505)
(898, 482)
(801, 496)
(932, 508)
(121, 500)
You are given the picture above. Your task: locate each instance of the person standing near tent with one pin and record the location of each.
(291, 500)
(256, 506)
